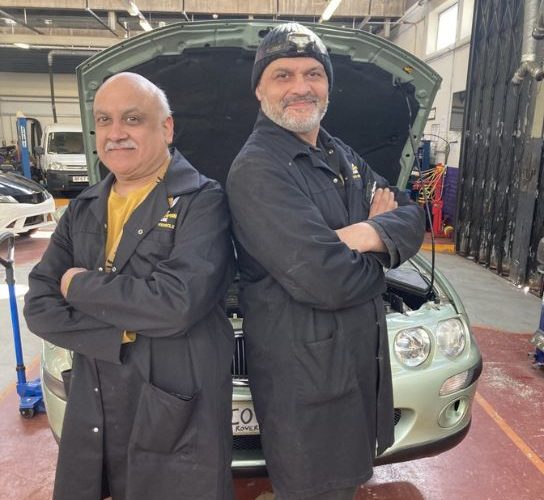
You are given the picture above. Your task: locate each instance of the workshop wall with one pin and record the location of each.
(30, 93)
(417, 33)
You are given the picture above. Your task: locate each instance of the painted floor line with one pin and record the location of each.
(13, 386)
(514, 437)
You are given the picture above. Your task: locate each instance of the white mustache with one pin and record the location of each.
(128, 144)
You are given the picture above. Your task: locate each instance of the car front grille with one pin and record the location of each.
(32, 199)
(247, 442)
(239, 362)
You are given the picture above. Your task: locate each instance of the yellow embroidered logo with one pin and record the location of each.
(168, 221)
(355, 170)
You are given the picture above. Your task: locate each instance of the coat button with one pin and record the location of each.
(113, 269)
(95, 429)
(331, 151)
(335, 180)
(96, 389)
(100, 268)
(140, 231)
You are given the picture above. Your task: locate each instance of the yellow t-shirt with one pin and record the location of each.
(120, 208)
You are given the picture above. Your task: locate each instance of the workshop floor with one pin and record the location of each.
(501, 458)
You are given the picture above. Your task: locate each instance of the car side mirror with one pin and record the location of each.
(38, 150)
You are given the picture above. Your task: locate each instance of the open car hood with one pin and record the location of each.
(205, 70)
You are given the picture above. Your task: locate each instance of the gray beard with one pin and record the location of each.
(294, 123)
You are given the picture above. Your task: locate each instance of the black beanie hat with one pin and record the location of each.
(290, 40)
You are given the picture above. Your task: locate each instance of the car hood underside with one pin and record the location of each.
(205, 70)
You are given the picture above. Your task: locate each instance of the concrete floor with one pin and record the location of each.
(502, 457)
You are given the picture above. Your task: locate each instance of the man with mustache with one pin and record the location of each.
(132, 282)
(313, 233)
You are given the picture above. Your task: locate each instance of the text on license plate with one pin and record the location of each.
(244, 420)
(80, 178)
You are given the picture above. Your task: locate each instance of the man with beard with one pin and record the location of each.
(313, 235)
(132, 282)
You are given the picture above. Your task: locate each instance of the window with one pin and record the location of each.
(70, 143)
(457, 110)
(447, 27)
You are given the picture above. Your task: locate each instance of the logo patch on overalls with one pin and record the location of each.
(355, 171)
(168, 221)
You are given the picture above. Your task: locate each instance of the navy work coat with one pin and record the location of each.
(149, 419)
(314, 321)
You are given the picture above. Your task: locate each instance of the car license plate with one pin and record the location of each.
(244, 421)
(80, 178)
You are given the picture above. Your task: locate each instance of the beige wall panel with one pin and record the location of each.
(395, 8)
(301, 7)
(49, 4)
(143, 5)
(348, 8)
(231, 6)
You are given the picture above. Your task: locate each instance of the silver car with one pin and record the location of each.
(379, 105)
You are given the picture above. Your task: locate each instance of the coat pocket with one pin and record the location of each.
(161, 421)
(324, 370)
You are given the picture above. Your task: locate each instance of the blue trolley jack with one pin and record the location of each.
(30, 393)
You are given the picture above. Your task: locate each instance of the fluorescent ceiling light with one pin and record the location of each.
(22, 45)
(145, 25)
(329, 10)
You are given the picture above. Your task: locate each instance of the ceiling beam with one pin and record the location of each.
(5, 14)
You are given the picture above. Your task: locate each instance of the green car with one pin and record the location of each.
(379, 105)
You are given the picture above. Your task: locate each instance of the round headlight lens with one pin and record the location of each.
(412, 346)
(451, 337)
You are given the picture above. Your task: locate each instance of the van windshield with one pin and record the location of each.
(67, 143)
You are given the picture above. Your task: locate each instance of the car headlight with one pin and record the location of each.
(451, 337)
(412, 346)
(56, 166)
(4, 198)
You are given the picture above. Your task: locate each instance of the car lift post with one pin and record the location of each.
(22, 140)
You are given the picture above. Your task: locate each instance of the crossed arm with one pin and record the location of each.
(362, 236)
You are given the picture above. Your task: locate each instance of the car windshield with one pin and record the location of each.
(70, 143)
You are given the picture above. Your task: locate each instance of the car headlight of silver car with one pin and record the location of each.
(7, 199)
(56, 166)
(412, 346)
(451, 337)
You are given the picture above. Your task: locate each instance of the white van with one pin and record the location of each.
(62, 158)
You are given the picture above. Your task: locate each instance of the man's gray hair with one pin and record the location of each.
(148, 86)
(163, 101)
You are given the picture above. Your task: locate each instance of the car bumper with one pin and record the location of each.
(424, 425)
(23, 217)
(60, 180)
